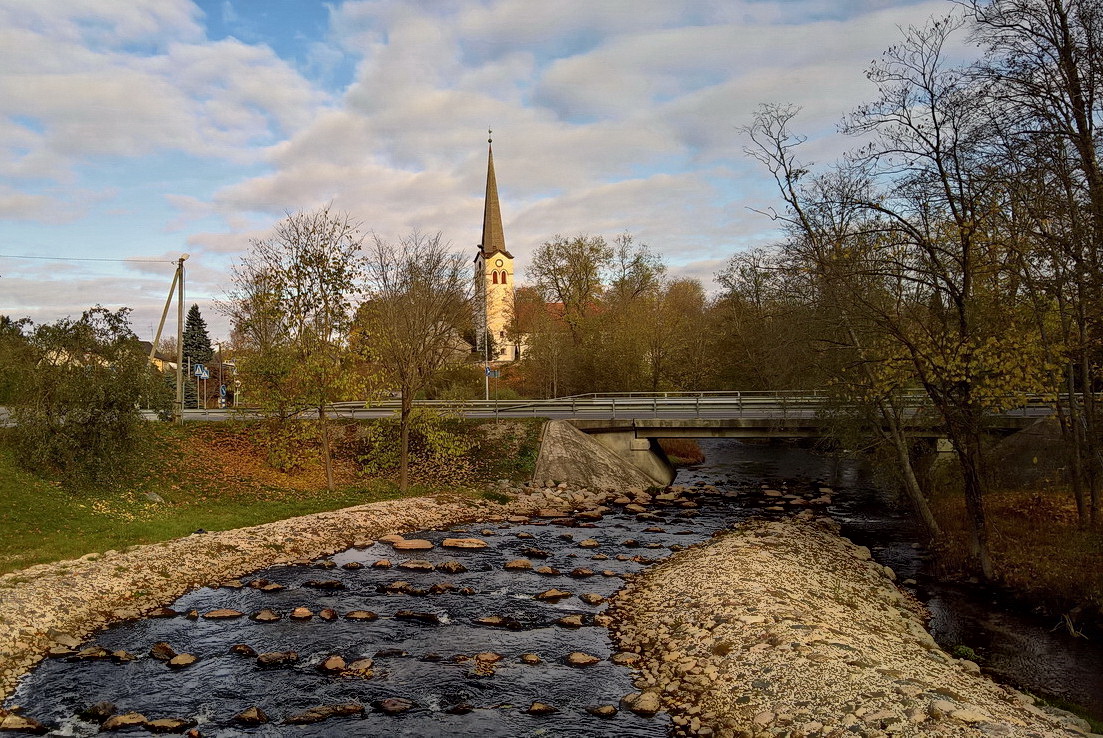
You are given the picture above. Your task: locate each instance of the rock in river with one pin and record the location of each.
(250, 717)
(518, 565)
(223, 614)
(162, 651)
(169, 725)
(126, 720)
(324, 712)
(540, 708)
(553, 595)
(427, 618)
(412, 544)
(394, 705)
(416, 565)
(265, 616)
(277, 658)
(470, 543)
(362, 615)
(20, 724)
(578, 658)
(182, 660)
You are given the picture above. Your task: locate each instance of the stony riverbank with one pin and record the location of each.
(787, 629)
(70, 599)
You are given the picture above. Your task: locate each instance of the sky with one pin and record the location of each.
(134, 131)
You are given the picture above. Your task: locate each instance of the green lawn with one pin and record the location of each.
(42, 522)
(213, 476)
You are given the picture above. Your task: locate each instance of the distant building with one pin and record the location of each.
(494, 278)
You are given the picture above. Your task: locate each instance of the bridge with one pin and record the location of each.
(679, 414)
(630, 424)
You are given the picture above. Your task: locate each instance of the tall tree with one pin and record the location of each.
(292, 308)
(197, 342)
(417, 305)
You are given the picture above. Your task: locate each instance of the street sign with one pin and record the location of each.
(201, 372)
(222, 391)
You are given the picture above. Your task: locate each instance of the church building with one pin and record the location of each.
(494, 277)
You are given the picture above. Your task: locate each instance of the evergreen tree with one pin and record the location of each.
(197, 343)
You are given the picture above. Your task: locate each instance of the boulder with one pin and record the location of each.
(93, 653)
(579, 658)
(126, 720)
(352, 565)
(591, 599)
(570, 621)
(499, 621)
(302, 613)
(603, 711)
(169, 725)
(625, 658)
(391, 538)
(412, 544)
(161, 651)
(642, 703)
(530, 658)
(332, 665)
(416, 565)
(382, 564)
(426, 618)
(553, 595)
(588, 543)
(324, 712)
(223, 614)
(326, 584)
(21, 724)
(548, 571)
(277, 658)
(361, 668)
(250, 717)
(518, 565)
(394, 705)
(466, 543)
(582, 572)
(182, 661)
(540, 708)
(361, 615)
(265, 616)
(451, 567)
(243, 649)
(98, 712)
(328, 614)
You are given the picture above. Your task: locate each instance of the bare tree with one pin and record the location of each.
(410, 325)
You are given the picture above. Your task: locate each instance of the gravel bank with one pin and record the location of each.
(74, 598)
(786, 629)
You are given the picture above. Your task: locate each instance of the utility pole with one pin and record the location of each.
(178, 410)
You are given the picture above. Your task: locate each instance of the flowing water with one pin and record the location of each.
(429, 660)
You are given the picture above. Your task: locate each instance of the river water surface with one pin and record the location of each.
(426, 656)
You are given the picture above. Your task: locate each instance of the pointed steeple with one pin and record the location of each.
(494, 239)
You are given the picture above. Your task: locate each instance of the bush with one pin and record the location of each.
(77, 409)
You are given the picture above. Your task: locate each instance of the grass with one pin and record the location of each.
(211, 476)
(682, 451)
(1037, 548)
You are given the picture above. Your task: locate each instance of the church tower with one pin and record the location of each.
(494, 275)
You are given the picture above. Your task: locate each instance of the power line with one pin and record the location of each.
(86, 258)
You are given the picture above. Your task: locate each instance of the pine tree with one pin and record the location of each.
(197, 343)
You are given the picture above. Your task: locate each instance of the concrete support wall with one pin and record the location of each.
(569, 455)
(643, 453)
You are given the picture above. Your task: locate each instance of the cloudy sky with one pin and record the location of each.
(132, 131)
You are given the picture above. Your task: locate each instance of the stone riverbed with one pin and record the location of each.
(447, 617)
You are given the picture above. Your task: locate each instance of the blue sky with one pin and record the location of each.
(143, 129)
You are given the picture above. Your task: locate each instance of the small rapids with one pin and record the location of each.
(428, 659)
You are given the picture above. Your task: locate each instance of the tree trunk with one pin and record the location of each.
(404, 441)
(327, 452)
(911, 483)
(967, 445)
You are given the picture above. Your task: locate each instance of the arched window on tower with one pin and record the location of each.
(503, 277)
(495, 277)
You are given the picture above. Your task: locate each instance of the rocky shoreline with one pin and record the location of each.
(787, 629)
(71, 599)
(774, 629)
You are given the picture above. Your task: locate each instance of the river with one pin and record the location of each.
(426, 635)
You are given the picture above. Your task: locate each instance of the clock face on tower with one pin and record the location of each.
(498, 262)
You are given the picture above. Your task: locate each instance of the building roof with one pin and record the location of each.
(494, 239)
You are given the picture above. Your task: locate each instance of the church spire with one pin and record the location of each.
(494, 239)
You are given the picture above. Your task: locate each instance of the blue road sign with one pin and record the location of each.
(201, 372)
